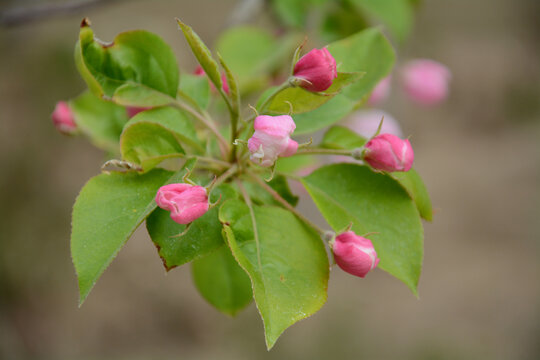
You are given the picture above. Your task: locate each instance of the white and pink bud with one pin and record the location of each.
(387, 152)
(354, 254)
(185, 202)
(426, 81)
(63, 118)
(316, 70)
(380, 92)
(272, 138)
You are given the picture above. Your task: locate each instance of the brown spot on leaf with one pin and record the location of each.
(167, 267)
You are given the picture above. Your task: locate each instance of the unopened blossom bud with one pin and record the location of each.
(272, 139)
(426, 81)
(354, 254)
(366, 122)
(380, 92)
(185, 202)
(199, 71)
(134, 110)
(63, 119)
(316, 70)
(387, 152)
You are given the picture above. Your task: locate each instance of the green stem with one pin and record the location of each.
(279, 89)
(211, 160)
(319, 151)
(224, 145)
(227, 174)
(284, 202)
(247, 199)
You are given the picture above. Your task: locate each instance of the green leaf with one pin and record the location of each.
(341, 21)
(303, 101)
(367, 51)
(396, 14)
(412, 182)
(253, 53)
(136, 58)
(107, 211)
(140, 96)
(328, 114)
(339, 137)
(294, 12)
(373, 202)
(285, 260)
(197, 88)
(222, 282)
(293, 164)
(203, 236)
(157, 134)
(234, 94)
(202, 53)
(102, 121)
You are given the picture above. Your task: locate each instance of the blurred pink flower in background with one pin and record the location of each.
(425, 81)
(134, 110)
(63, 119)
(380, 92)
(366, 122)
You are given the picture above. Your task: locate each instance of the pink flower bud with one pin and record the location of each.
(317, 69)
(387, 152)
(272, 139)
(134, 110)
(426, 81)
(380, 92)
(63, 119)
(366, 123)
(185, 202)
(199, 71)
(354, 254)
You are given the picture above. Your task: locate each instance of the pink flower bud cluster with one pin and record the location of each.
(354, 254)
(317, 70)
(63, 118)
(185, 202)
(387, 152)
(272, 138)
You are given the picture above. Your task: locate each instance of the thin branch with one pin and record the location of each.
(247, 199)
(319, 151)
(224, 145)
(284, 202)
(23, 15)
(244, 11)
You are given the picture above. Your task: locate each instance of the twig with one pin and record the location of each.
(284, 202)
(22, 15)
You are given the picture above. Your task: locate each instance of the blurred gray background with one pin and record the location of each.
(478, 154)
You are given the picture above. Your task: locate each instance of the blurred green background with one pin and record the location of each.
(478, 154)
